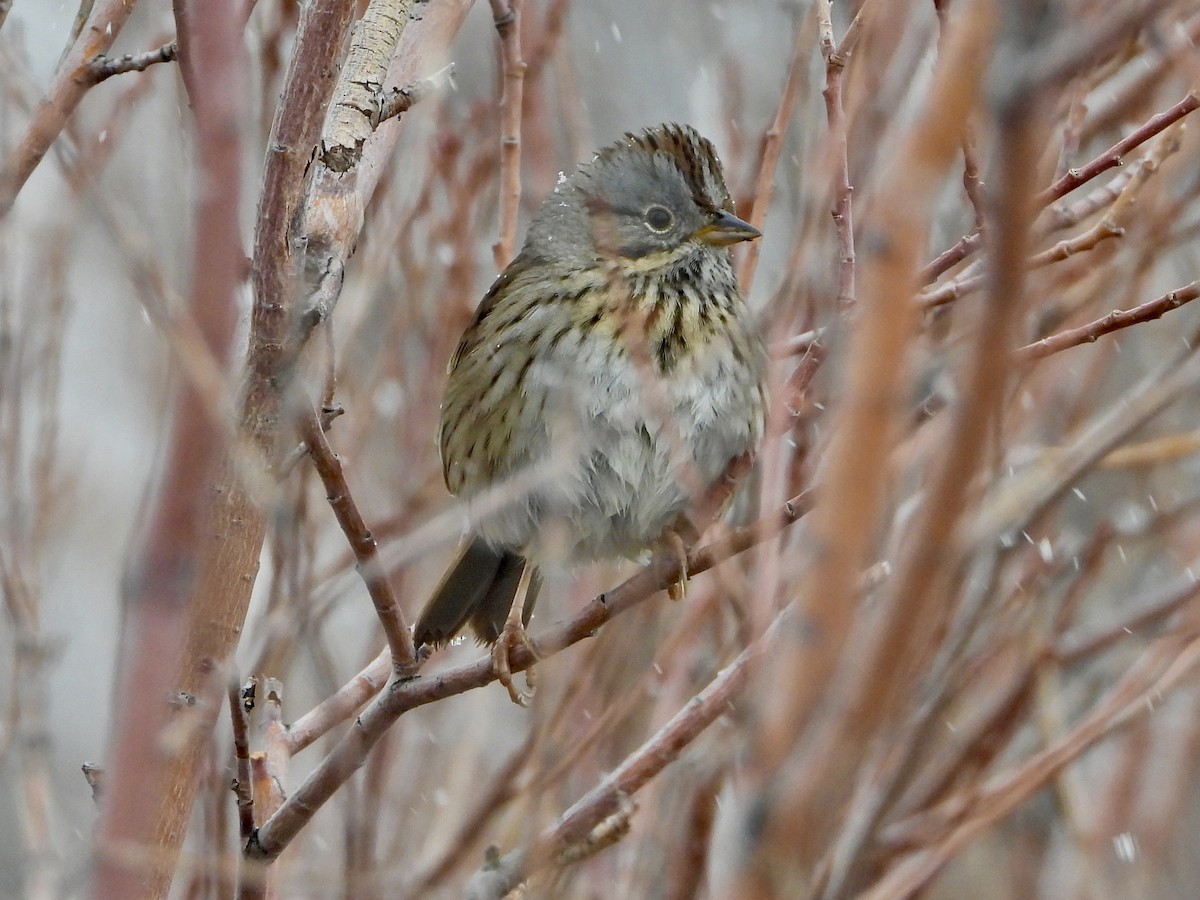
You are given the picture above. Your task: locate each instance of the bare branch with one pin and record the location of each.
(391, 617)
(1073, 179)
(353, 112)
(1158, 672)
(1114, 155)
(609, 797)
(241, 701)
(768, 162)
(835, 114)
(71, 82)
(341, 705)
(401, 100)
(507, 17)
(403, 695)
(167, 572)
(103, 67)
(1114, 321)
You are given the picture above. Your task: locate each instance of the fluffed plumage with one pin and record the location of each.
(613, 366)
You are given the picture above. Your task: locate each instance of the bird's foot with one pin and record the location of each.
(675, 540)
(514, 636)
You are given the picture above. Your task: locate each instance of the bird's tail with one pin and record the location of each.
(478, 589)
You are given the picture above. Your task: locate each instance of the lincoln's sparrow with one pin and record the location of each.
(610, 378)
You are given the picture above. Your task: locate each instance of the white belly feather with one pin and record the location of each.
(625, 450)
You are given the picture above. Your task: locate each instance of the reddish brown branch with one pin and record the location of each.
(835, 114)
(916, 603)
(71, 81)
(855, 487)
(610, 797)
(167, 571)
(772, 148)
(950, 257)
(229, 545)
(367, 683)
(1115, 154)
(362, 542)
(1114, 321)
(1074, 178)
(403, 695)
(962, 817)
(507, 18)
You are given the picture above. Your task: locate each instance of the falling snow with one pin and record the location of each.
(1125, 846)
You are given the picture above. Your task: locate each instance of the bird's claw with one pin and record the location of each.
(513, 636)
(677, 547)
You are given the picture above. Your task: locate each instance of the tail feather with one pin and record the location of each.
(478, 588)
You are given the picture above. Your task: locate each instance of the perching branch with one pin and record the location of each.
(403, 695)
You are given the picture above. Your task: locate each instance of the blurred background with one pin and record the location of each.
(1039, 621)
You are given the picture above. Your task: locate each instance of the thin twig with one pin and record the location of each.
(488, 800)
(1114, 321)
(103, 67)
(1073, 648)
(403, 695)
(835, 114)
(1029, 492)
(611, 795)
(1114, 155)
(1139, 692)
(1121, 193)
(70, 83)
(507, 18)
(1073, 179)
(340, 705)
(772, 148)
(400, 100)
(362, 542)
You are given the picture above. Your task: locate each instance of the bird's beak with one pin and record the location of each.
(725, 229)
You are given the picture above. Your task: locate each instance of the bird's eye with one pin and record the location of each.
(659, 218)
